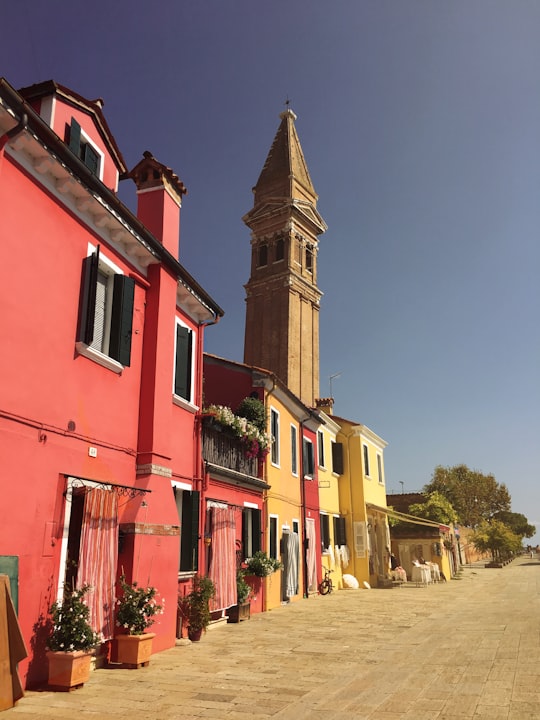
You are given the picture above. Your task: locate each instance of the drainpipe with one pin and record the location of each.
(16, 130)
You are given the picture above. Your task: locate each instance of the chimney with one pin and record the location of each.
(159, 199)
(325, 404)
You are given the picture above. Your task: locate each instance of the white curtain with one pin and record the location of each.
(222, 568)
(98, 557)
(311, 557)
(291, 545)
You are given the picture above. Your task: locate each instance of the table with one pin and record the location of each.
(421, 574)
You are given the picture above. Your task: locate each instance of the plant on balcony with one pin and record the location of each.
(262, 564)
(256, 442)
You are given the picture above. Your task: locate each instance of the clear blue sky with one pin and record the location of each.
(420, 123)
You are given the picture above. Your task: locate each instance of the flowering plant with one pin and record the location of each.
(262, 564)
(71, 629)
(255, 440)
(137, 607)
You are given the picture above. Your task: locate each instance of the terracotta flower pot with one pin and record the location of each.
(134, 651)
(68, 670)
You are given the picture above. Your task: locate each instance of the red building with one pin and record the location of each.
(101, 369)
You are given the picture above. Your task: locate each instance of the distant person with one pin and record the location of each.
(393, 561)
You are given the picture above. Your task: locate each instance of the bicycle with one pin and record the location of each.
(326, 586)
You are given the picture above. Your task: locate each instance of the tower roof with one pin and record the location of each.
(285, 173)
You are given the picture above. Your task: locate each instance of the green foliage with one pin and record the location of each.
(137, 607)
(517, 522)
(253, 410)
(71, 629)
(243, 590)
(496, 538)
(436, 508)
(262, 565)
(473, 495)
(194, 606)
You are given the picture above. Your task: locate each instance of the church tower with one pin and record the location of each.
(282, 297)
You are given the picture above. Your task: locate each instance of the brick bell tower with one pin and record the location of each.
(282, 297)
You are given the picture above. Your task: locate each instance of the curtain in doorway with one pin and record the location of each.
(311, 556)
(98, 557)
(290, 547)
(222, 567)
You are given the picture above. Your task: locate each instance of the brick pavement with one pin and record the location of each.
(468, 648)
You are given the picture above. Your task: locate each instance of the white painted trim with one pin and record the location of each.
(98, 357)
(251, 505)
(182, 485)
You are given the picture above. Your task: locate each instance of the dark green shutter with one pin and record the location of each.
(337, 458)
(91, 159)
(182, 377)
(256, 529)
(245, 534)
(87, 302)
(122, 319)
(75, 138)
(189, 549)
(307, 452)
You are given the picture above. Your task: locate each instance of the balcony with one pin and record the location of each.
(225, 450)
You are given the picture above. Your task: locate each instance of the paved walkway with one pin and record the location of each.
(469, 648)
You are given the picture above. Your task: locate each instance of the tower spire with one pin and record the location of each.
(282, 303)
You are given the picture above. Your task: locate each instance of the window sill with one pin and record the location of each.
(98, 357)
(183, 403)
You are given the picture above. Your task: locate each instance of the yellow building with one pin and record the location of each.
(362, 499)
(333, 536)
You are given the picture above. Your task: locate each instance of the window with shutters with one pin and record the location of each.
(366, 460)
(308, 458)
(187, 506)
(325, 531)
(340, 536)
(274, 432)
(360, 539)
(183, 367)
(251, 532)
(105, 312)
(273, 550)
(379, 468)
(320, 447)
(81, 145)
(294, 450)
(337, 458)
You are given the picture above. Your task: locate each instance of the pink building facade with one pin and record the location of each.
(101, 373)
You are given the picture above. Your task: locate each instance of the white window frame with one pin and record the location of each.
(365, 459)
(275, 448)
(308, 441)
(294, 450)
(107, 267)
(177, 399)
(320, 449)
(380, 468)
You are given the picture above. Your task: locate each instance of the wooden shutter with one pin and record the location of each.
(360, 539)
(75, 138)
(91, 159)
(325, 530)
(337, 458)
(340, 537)
(182, 376)
(122, 319)
(308, 458)
(189, 547)
(87, 302)
(256, 530)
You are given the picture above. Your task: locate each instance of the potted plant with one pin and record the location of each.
(240, 611)
(261, 565)
(136, 611)
(71, 641)
(194, 607)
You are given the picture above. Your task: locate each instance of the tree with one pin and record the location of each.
(473, 495)
(517, 522)
(496, 538)
(436, 508)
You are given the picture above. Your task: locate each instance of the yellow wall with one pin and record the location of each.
(329, 497)
(283, 500)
